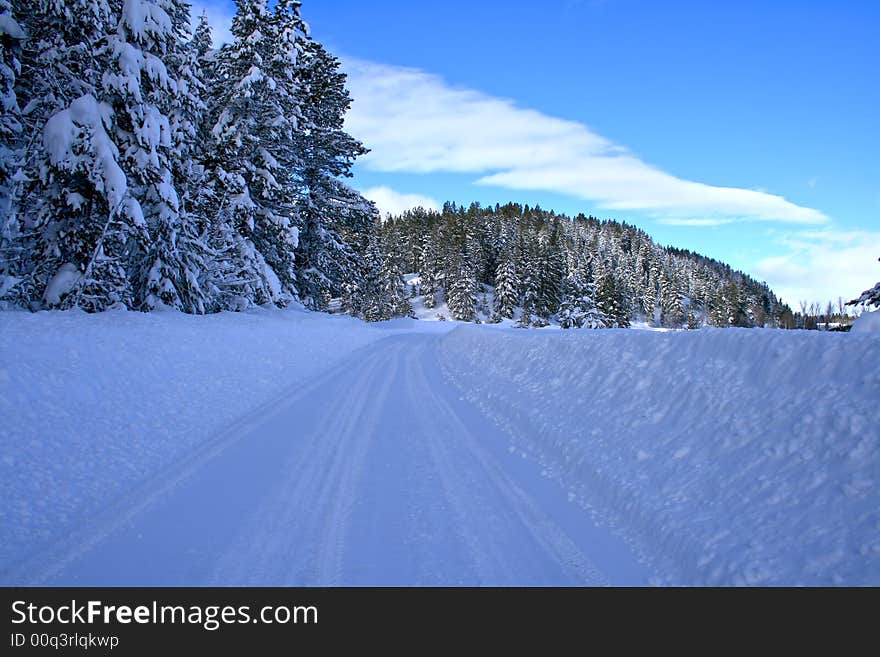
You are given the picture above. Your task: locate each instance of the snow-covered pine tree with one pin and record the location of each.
(158, 105)
(102, 138)
(255, 223)
(651, 295)
(205, 69)
(611, 302)
(11, 38)
(506, 287)
(578, 307)
(329, 208)
(672, 312)
(370, 303)
(202, 37)
(430, 269)
(529, 302)
(728, 307)
(55, 71)
(461, 293)
(381, 293)
(550, 272)
(359, 232)
(392, 290)
(11, 143)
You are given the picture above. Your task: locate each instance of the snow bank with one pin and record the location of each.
(92, 404)
(727, 456)
(867, 323)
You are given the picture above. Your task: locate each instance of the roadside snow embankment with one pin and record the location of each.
(92, 404)
(727, 456)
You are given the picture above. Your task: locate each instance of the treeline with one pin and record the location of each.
(578, 272)
(832, 316)
(142, 168)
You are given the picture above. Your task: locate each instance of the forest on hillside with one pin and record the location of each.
(543, 267)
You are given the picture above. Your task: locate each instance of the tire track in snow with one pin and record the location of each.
(341, 491)
(484, 556)
(304, 467)
(297, 536)
(493, 565)
(47, 563)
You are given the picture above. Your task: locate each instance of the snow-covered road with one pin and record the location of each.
(286, 447)
(377, 473)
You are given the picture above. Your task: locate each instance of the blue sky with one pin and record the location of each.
(744, 130)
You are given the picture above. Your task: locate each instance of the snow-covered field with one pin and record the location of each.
(284, 447)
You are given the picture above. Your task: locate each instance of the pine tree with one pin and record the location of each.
(506, 288)
(69, 169)
(672, 312)
(611, 302)
(578, 307)
(326, 152)
(371, 303)
(202, 38)
(254, 157)
(158, 112)
(393, 290)
(461, 293)
(529, 302)
(379, 293)
(729, 307)
(651, 293)
(11, 37)
(430, 270)
(550, 271)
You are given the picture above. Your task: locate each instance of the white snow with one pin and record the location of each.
(62, 283)
(729, 456)
(868, 322)
(145, 18)
(286, 447)
(91, 404)
(9, 26)
(85, 120)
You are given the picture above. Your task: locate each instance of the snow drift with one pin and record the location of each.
(727, 456)
(867, 323)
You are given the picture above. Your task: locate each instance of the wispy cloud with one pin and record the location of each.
(672, 221)
(821, 265)
(390, 201)
(415, 122)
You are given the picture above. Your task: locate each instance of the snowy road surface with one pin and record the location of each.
(286, 447)
(375, 474)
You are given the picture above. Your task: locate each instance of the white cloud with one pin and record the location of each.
(822, 265)
(672, 221)
(416, 122)
(391, 202)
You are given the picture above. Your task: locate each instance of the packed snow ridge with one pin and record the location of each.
(736, 456)
(288, 447)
